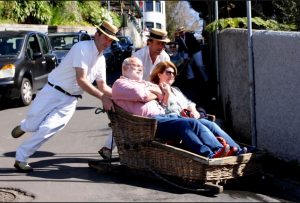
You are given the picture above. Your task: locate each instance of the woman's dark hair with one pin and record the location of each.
(160, 68)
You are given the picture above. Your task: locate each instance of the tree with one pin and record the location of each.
(31, 12)
(171, 22)
(179, 13)
(272, 14)
(56, 12)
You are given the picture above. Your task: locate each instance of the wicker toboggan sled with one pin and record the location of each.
(138, 149)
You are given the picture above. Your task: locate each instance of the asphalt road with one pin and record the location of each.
(62, 173)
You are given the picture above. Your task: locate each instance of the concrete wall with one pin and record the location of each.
(277, 88)
(45, 28)
(40, 28)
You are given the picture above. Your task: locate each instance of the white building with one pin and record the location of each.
(138, 17)
(154, 14)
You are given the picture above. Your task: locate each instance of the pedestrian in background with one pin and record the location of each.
(175, 56)
(191, 48)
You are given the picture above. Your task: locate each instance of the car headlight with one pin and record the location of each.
(7, 71)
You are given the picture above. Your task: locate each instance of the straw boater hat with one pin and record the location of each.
(180, 29)
(108, 29)
(159, 35)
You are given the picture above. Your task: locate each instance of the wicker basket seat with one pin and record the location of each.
(135, 138)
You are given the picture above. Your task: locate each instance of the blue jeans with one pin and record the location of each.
(194, 135)
(217, 131)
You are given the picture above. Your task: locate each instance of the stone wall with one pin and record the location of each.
(40, 28)
(277, 88)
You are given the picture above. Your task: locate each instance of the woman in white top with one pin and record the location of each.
(176, 102)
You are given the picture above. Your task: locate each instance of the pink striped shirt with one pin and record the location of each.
(131, 95)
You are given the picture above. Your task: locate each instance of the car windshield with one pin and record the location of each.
(10, 46)
(63, 42)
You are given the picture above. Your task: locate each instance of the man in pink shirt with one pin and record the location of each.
(142, 98)
(135, 95)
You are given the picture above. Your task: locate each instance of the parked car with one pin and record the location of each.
(127, 45)
(117, 52)
(63, 41)
(26, 58)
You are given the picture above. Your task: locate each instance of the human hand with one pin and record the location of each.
(166, 88)
(107, 104)
(154, 88)
(195, 114)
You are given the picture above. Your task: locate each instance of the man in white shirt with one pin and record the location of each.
(155, 51)
(55, 104)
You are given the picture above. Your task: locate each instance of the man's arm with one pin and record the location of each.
(155, 89)
(81, 77)
(132, 91)
(103, 87)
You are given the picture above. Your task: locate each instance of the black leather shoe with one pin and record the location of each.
(23, 167)
(17, 132)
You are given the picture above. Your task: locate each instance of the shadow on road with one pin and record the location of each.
(38, 154)
(59, 168)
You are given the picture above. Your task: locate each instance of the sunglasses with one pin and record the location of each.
(169, 73)
(172, 46)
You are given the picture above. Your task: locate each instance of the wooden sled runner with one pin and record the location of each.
(138, 149)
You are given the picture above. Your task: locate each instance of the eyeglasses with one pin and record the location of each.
(135, 65)
(169, 73)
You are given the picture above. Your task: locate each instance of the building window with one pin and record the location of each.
(158, 6)
(149, 25)
(149, 5)
(158, 25)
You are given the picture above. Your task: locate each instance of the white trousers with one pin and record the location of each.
(110, 143)
(49, 113)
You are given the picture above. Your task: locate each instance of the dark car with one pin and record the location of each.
(127, 45)
(63, 41)
(117, 52)
(26, 58)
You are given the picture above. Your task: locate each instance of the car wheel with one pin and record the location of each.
(26, 92)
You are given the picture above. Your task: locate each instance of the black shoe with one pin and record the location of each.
(23, 167)
(17, 132)
(243, 150)
(105, 153)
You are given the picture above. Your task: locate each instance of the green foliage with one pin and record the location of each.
(3, 13)
(116, 18)
(35, 12)
(92, 12)
(56, 12)
(257, 23)
(67, 14)
(286, 11)
(171, 18)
